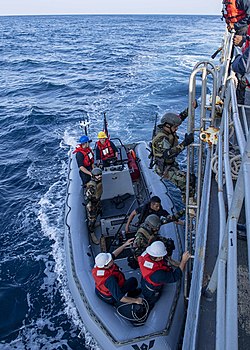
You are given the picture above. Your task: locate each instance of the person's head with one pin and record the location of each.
(84, 140)
(102, 136)
(170, 122)
(157, 250)
(153, 223)
(96, 174)
(155, 203)
(104, 260)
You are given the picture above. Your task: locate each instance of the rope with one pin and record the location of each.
(235, 163)
(134, 317)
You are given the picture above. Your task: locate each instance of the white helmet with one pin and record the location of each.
(157, 249)
(103, 259)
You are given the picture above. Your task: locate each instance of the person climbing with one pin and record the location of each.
(156, 271)
(84, 158)
(152, 207)
(106, 151)
(93, 201)
(166, 147)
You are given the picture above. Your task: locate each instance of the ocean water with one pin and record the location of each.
(55, 70)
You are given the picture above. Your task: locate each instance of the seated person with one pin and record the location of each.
(146, 234)
(106, 150)
(152, 207)
(110, 283)
(156, 272)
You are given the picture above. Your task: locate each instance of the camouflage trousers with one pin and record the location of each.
(175, 175)
(93, 210)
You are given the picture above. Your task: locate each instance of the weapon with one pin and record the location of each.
(84, 124)
(216, 52)
(105, 125)
(151, 155)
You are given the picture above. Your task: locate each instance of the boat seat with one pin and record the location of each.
(116, 183)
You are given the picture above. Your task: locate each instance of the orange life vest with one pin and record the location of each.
(106, 151)
(231, 13)
(149, 266)
(88, 159)
(101, 275)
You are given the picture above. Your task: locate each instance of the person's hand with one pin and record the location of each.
(185, 257)
(237, 40)
(195, 104)
(128, 242)
(189, 138)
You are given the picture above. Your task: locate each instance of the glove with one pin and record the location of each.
(195, 103)
(179, 214)
(189, 138)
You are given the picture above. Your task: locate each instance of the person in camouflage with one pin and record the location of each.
(148, 233)
(166, 147)
(93, 201)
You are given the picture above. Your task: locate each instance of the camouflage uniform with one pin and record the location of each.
(93, 204)
(165, 149)
(144, 237)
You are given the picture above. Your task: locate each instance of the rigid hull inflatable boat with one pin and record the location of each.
(126, 185)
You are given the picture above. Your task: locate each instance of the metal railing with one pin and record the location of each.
(231, 194)
(196, 154)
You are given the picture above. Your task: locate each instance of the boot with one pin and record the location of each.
(93, 237)
(134, 293)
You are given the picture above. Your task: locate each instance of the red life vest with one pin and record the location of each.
(106, 151)
(231, 13)
(149, 266)
(88, 159)
(101, 275)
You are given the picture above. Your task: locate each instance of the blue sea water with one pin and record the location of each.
(54, 71)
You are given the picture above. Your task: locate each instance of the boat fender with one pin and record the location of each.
(133, 168)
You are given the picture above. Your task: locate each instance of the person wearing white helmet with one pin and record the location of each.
(106, 150)
(156, 272)
(110, 283)
(84, 158)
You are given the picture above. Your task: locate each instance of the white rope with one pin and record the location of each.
(235, 163)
